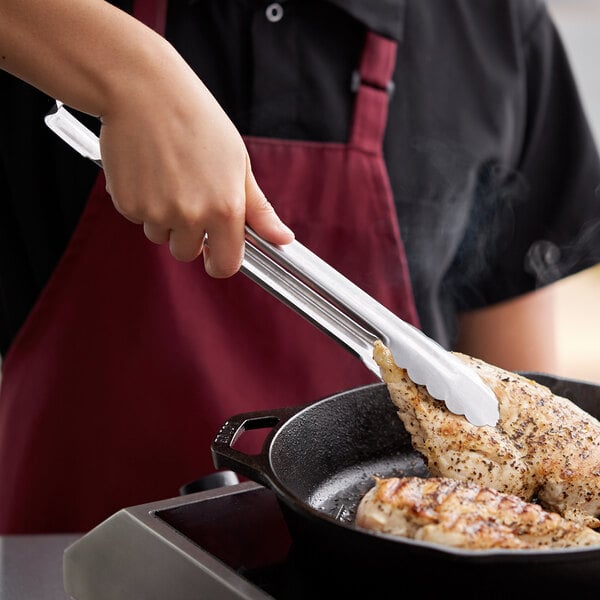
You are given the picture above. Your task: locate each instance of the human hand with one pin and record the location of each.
(175, 164)
(173, 160)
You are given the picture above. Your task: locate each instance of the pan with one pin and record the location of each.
(319, 460)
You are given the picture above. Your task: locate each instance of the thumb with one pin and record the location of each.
(261, 215)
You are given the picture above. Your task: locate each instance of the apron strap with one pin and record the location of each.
(152, 13)
(373, 86)
(372, 82)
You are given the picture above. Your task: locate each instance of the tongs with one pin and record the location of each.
(341, 309)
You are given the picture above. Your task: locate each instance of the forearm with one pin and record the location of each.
(518, 335)
(87, 53)
(184, 176)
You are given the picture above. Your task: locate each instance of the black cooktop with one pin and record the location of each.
(230, 542)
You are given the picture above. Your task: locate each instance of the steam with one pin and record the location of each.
(543, 261)
(548, 262)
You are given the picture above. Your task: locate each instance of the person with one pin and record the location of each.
(435, 152)
(81, 68)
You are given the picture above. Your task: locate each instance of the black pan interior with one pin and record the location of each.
(326, 456)
(321, 459)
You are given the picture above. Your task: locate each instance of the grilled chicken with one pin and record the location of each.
(464, 515)
(543, 446)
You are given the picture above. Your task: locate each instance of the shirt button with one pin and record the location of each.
(274, 12)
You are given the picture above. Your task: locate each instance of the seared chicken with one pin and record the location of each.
(543, 446)
(464, 515)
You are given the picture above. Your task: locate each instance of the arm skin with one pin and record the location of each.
(516, 335)
(181, 176)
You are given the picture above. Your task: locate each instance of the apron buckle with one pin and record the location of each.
(357, 81)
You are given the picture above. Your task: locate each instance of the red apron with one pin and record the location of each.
(130, 361)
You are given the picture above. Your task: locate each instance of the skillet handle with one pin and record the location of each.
(254, 466)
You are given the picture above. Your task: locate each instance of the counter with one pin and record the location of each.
(31, 566)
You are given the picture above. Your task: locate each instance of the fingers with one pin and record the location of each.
(219, 233)
(210, 223)
(187, 236)
(224, 248)
(186, 245)
(188, 240)
(156, 233)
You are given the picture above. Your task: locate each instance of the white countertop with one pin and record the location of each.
(31, 566)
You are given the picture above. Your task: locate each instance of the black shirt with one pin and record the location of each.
(494, 171)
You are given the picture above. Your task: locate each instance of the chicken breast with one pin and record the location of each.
(543, 446)
(464, 515)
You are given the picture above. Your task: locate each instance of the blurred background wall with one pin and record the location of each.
(578, 302)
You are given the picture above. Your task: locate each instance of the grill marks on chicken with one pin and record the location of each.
(543, 446)
(464, 515)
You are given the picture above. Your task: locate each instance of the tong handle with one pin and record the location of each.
(304, 299)
(340, 308)
(407, 343)
(261, 259)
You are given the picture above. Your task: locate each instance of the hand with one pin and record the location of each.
(175, 163)
(173, 160)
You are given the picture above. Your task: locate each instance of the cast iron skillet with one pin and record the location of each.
(319, 460)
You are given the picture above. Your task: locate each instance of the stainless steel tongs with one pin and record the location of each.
(331, 302)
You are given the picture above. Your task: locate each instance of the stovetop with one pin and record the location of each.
(233, 542)
(228, 543)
